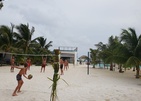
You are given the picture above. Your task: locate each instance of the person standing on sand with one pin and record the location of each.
(12, 61)
(61, 65)
(19, 79)
(44, 59)
(66, 65)
(28, 61)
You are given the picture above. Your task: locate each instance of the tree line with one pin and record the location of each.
(18, 39)
(123, 50)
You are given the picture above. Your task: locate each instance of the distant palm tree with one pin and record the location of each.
(93, 56)
(43, 45)
(107, 51)
(121, 55)
(101, 54)
(110, 52)
(100, 46)
(133, 43)
(24, 37)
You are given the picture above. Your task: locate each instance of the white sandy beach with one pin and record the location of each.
(99, 85)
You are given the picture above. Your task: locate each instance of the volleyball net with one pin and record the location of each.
(21, 58)
(27, 54)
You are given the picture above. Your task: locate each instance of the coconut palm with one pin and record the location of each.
(110, 51)
(121, 55)
(133, 43)
(107, 51)
(7, 39)
(1, 4)
(43, 47)
(102, 54)
(93, 56)
(24, 37)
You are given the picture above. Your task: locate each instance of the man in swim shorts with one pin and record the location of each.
(19, 79)
(12, 61)
(44, 59)
(61, 66)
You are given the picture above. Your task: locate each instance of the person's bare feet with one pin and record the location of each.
(14, 95)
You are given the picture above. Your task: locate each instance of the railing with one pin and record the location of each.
(66, 48)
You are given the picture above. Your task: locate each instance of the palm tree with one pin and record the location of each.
(133, 44)
(101, 55)
(93, 56)
(100, 46)
(1, 4)
(121, 55)
(111, 51)
(43, 47)
(24, 37)
(7, 39)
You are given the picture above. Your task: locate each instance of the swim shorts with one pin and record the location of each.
(43, 65)
(18, 77)
(61, 66)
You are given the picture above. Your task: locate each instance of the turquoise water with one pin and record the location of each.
(106, 65)
(102, 65)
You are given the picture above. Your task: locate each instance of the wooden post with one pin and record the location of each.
(88, 63)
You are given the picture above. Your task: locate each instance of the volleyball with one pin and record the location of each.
(30, 76)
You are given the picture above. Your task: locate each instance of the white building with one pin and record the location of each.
(69, 53)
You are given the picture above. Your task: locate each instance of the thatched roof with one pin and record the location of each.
(83, 57)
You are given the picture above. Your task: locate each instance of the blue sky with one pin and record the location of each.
(75, 23)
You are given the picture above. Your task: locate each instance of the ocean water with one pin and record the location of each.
(102, 65)
(106, 65)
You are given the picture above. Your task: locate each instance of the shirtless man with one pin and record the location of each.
(44, 59)
(28, 61)
(12, 63)
(19, 79)
(61, 66)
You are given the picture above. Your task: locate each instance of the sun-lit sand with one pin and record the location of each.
(99, 85)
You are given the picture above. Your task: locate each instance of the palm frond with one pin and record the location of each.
(133, 61)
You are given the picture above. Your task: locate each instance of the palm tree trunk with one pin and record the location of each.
(111, 67)
(137, 71)
(93, 65)
(120, 69)
(133, 68)
(104, 65)
(99, 63)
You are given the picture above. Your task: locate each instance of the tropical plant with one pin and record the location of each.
(133, 44)
(101, 53)
(24, 37)
(18, 40)
(7, 40)
(93, 56)
(56, 76)
(1, 4)
(43, 47)
(111, 50)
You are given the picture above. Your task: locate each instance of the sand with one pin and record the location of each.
(99, 85)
